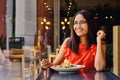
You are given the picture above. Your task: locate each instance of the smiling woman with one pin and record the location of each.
(84, 46)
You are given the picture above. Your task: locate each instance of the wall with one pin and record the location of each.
(116, 50)
(26, 23)
(2, 17)
(9, 12)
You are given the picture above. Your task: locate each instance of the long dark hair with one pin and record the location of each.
(74, 42)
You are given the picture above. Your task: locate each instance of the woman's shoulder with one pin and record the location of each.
(66, 40)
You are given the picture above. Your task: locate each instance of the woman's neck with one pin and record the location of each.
(83, 40)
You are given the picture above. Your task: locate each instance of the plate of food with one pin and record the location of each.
(66, 67)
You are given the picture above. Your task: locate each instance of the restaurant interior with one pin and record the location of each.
(34, 29)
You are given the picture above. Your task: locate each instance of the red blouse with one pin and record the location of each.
(85, 57)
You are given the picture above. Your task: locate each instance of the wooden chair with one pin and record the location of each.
(51, 57)
(31, 61)
(15, 55)
(57, 50)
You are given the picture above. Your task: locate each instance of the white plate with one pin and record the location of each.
(67, 70)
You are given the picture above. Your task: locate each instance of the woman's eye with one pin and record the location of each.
(75, 22)
(82, 22)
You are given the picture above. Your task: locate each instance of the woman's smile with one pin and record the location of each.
(79, 30)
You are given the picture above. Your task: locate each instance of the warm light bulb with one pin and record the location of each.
(44, 20)
(45, 3)
(46, 6)
(68, 12)
(63, 28)
(48, 23)
(106, 17)
(46, 27)
(62, 23)
(65, 19)
(49, 8)
(70, 3)
(68, 8)
(111, 17)
(68, 22)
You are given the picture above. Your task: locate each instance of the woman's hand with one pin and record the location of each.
(45, 63)
(100, 35)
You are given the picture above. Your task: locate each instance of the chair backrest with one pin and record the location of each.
(29, 51)
(14, 51)
(16, 42)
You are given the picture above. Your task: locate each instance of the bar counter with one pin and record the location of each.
(50, 74)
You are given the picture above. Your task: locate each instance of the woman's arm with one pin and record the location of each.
(100, 58)
(59, 58)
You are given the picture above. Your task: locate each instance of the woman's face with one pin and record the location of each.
(80, 25)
